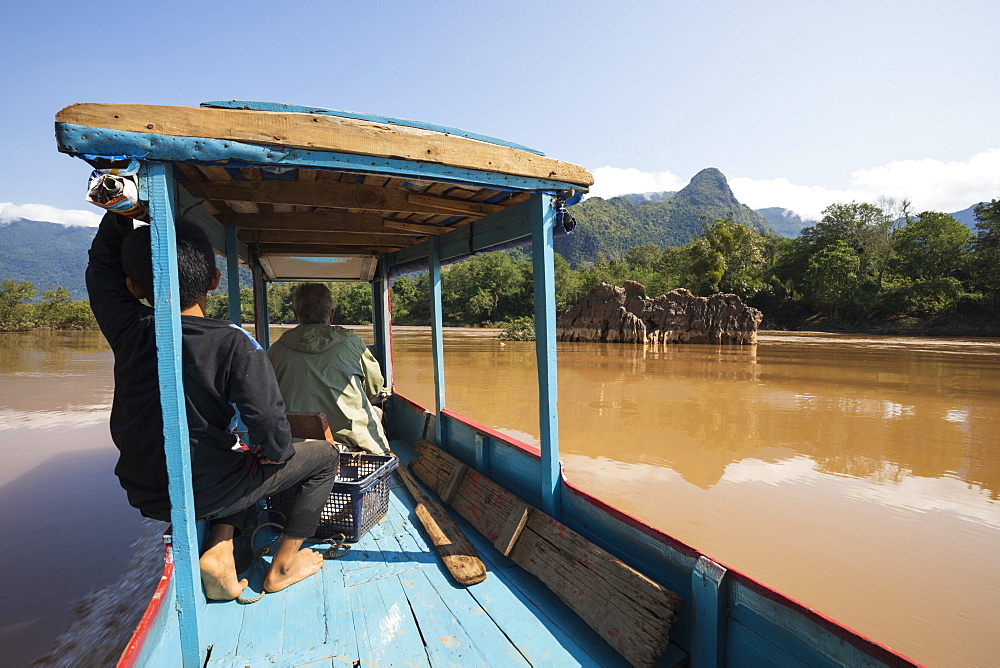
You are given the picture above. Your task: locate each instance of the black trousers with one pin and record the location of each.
(315, 465)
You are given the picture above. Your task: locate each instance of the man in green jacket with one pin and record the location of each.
(329, 369)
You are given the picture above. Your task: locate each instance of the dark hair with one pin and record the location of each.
(195, 261)
(313, 304)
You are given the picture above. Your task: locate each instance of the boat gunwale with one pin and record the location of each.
(148, 621)
(842, 631)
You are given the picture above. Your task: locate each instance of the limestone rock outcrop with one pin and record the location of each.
(626, 315)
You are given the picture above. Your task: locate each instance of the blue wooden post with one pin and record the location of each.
(159, 187)
(233, 275)
(709, 590)
(437, 337)
(260, 320)
(542, 221)
(382, 320)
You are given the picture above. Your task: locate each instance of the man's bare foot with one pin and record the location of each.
(303, 564)
(218, 573)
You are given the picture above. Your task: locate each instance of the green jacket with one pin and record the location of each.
(330, 369)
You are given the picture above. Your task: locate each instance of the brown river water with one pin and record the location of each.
(858, 475)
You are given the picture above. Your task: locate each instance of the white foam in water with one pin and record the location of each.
(103, 620)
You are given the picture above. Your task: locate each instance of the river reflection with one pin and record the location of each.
(856, 474)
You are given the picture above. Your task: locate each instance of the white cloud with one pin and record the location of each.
(807, 201)
(612, 181)
(934, 185)
(930, 185)
(45, 213)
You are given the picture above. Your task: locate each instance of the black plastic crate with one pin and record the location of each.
(359, 499)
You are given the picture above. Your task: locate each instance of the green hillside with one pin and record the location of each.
(49, 254)
(613, 226)
(45, 254)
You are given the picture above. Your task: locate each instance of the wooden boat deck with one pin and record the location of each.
(390, 602)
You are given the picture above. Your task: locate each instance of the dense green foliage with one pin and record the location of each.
(861, 263)
(352, 302)
(55, 310)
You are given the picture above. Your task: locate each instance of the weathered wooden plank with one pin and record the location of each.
(632, 633)
(221, 622)
(632, 612)
(461, 207)
(214, 173)
(459, 557)
(476, 623)
(338, 196)
(267, 613)
(561, 623)
(324, 249)
(511, 531)
(339, 612)
(376, 118)
(535, 628)
(323, 133)
(415, 227)
(190, 172)
(446, 641)
(243, 207)
(331, 237)
(386, 631)
(450, 486)
(315, 221)
(305, 615)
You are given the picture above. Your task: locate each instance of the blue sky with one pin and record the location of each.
(800, 104)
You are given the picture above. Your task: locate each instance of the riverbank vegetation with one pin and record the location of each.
(55, 309)
(864, 266)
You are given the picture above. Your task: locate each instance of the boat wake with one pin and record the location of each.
(103, 620)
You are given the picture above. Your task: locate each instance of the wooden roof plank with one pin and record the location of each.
(335, 237)
(323, 249)
(318, 132)
(416, 227)
(276, 106)
(338, 196)
(330, 221)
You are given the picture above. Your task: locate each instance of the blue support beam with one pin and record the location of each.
(711, 598)
(543, 216)
(158, 184)
(233, 275)
(437, 337)
(260, 321)
(382, 320)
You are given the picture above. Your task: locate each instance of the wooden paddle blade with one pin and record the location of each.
(456, 552)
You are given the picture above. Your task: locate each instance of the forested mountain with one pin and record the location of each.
(967, 216)
(51, 254)
(45, 254)
(616, 225)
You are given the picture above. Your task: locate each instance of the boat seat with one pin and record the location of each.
(310, 426)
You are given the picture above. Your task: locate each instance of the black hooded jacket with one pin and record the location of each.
(225, 370)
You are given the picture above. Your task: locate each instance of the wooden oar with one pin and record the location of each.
(459, 556)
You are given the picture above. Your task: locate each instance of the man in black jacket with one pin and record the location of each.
(227, 378)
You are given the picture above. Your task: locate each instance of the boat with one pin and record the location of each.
(306, 193)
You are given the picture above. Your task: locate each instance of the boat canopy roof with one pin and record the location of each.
(318, 194)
